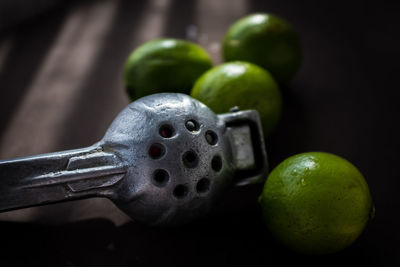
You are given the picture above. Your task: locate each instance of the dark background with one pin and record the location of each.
(344, 100)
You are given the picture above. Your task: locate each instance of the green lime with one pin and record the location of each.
(316, 203)
(164, 65)
(265, 40)
(244, 85)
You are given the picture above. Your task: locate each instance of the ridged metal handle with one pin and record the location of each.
(59, 176)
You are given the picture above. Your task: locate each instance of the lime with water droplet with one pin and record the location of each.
(316, 203)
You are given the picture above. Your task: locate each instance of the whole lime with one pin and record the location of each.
(244, 85)
(265, 40)
(164, 65)
(316, 203)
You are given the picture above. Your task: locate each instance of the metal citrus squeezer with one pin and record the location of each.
(164, 160)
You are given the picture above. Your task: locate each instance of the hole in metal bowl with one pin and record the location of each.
(190, 159)
(156, 151)
(192, 125)
(203, 185)
(216, 163)
(166, 131)
(160, 177)
(180, 191)
(211, 138)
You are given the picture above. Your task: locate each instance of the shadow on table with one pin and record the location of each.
(76, 244)
(293, 131)
(227, 237)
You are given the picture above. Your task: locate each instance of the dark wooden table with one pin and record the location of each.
(61, 86)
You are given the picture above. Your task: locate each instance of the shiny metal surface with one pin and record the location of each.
(165, 159)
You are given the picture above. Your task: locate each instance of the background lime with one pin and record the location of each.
(244, 85)
(265, 40)
(316, 203)
(164, 65)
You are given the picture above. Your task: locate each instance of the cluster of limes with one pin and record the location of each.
(312, 202)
